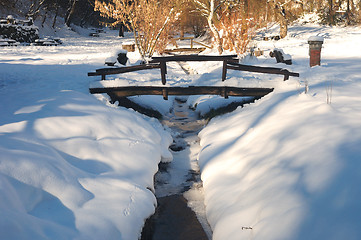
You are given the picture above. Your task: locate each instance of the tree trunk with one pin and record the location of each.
(283, 27)
(121, 30)
(217, 38)
(56, 15)
(281, 17)
(182, 31)
(35, 9)
(70, 13)
(331, 13)
(44, 19)
(214, 30)
(348, 13)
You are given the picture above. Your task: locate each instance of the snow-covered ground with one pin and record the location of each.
(73, 166)
(289, 166)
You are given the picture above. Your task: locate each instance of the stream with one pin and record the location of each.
(180, 213)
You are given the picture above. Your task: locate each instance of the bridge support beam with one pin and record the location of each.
(192, 90)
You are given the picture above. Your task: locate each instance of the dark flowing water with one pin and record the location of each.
(180, 213)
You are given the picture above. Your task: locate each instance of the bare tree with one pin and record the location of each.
(208, 9)
(35, 8)
(150, 20)
(70, 12)
(230, 22)
(56, 6)
(280, 14)
(285, 10)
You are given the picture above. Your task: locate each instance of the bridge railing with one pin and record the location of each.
(257, 69)
(229, 62)
(111, 71)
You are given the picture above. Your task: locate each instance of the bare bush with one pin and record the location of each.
(237, 31)
(232, 23)
(150, 21)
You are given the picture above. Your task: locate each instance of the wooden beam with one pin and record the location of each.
(202, 44)
(195, 49)
(192, 90)
(109, 71)
(224, 92)
(165, 93)
(183, 38)
(270, 70)
(163, 72)
(224, 70)
(186, 58)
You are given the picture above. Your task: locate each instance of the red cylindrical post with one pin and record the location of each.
(315, 45)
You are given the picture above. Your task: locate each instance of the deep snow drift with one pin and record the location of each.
(71, 166)
(286, 167)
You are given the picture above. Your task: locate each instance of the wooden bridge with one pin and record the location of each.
(230, 62)
(192, 48)
(117, 92)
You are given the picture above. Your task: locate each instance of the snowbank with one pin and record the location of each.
(287, 166)
(71, 166)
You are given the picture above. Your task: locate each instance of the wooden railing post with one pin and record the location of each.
(224, 70)
(224, 93)
(165, 94)
(163, 71)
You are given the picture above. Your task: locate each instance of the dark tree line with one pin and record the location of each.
(79, 12)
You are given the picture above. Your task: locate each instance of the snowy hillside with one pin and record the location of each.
(73, 166)
(288, 166)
